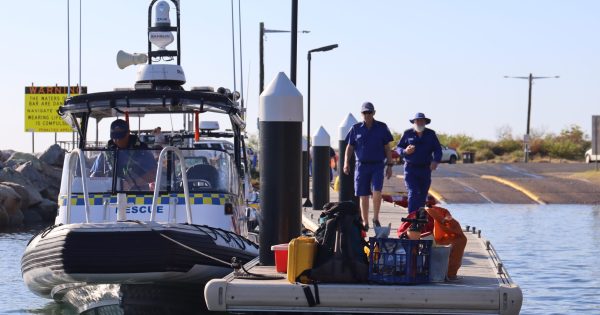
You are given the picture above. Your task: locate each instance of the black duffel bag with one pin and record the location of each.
(340, 246)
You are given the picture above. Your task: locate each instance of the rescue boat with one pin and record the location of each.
(152, 245)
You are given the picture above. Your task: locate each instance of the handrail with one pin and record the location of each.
(502, 271)
(84, 179)
(186, 192)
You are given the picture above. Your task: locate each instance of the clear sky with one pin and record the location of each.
(444, 58)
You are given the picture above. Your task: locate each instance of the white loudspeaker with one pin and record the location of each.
(126, 59)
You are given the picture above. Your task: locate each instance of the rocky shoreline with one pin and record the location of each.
(29, 186)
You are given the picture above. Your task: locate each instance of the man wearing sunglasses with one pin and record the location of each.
(369, 141)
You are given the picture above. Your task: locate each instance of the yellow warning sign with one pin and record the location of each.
(41, 108)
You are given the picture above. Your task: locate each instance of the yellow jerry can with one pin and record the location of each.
(301, 255)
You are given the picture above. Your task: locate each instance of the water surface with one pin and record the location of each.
(551, 251)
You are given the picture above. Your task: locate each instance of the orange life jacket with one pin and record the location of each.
(446, 228)
(447, 231)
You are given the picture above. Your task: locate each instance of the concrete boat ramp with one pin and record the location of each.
(484, 288)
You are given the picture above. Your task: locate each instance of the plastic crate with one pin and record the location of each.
(399, 261)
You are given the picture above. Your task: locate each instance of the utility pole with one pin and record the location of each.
(526, 139)
(261, 51)
(529, 107)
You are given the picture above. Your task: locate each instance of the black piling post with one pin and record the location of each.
(346, 181)
(280, 122)
(320, 169)
(305, 175)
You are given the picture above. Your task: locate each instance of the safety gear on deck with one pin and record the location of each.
(340, 250)
(447, 231)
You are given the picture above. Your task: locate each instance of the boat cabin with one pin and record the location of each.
(155, 174)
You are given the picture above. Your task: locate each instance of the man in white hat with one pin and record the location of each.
(422, 152)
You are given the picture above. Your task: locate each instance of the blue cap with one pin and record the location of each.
(367, 107)
(119, 129)
(420, 116)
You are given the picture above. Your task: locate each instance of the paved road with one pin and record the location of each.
(521, 183)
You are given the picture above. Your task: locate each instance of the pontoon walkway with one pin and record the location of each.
(485, 288)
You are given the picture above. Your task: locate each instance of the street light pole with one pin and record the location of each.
(261, 52)
(294, 48)
(530, 79)
(308, 203)
(306, 189)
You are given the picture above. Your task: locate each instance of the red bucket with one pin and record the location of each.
(281, 257)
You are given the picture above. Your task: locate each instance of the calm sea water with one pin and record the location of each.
(15, 298)
(552, 252)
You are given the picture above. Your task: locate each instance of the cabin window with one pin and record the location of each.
(134, 171)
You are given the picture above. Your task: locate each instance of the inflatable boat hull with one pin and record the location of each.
(90, 261)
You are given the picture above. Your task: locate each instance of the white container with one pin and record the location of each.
(439, 263)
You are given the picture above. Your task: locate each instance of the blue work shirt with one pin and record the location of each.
(427, 147)
(369, 143)
(132, 163)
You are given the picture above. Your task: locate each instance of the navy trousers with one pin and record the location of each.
(418, 180)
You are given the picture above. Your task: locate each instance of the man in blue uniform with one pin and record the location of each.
(369, 140)
(422, 152)
(136, 166)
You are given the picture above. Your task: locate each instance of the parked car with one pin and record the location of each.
(589, 157)
(449, 155)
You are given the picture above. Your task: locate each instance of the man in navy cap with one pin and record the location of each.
(422, 152)
(369, 141)
(136, 166)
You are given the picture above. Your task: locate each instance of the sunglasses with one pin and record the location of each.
(367, 113)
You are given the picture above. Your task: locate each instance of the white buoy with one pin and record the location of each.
(280, 123)
(346, 191)
(321, 177)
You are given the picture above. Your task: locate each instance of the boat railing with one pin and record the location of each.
(500, 268)
(71, 162)
(501, 271)
(186, 192)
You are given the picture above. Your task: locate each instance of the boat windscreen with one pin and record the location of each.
(134, 171)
